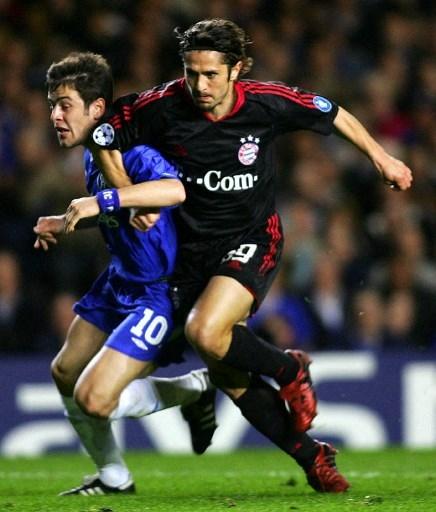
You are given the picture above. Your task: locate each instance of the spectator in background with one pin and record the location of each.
(302, 243)
(327, 298)
(393, 322)
(366, 321)
(21, 310)
(284, 319)
(401, 289)
(348, 250)
(409, 241)
(401, 322)
(60, 318)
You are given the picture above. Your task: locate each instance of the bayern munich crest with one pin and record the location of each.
(247, 153)
(104, 135)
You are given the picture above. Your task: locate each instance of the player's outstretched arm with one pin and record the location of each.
(153, 194)
(393, 171)
(149, 194)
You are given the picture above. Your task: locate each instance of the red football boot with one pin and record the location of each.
(323, 475)
(299, 394)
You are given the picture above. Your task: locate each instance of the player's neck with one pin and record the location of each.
(224, 108)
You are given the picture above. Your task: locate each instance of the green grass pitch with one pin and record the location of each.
(257, 480)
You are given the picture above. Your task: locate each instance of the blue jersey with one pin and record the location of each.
(130, 300)
(137, 256)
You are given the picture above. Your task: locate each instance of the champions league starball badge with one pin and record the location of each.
(247, 153)
(322, 104)
(103, 135)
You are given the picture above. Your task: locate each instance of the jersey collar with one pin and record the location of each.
(240, 100)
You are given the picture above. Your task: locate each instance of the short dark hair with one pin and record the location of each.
(219, 35)
(88, 73)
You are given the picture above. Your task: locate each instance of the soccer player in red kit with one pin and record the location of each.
(220, 130)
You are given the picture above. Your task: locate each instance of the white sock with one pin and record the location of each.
(97, 438)
(145, 396)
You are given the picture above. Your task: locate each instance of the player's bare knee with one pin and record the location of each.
(206, 338)
(93, 403)
(61, 374)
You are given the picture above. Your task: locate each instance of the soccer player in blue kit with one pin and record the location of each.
(220, 129)
(123, 323)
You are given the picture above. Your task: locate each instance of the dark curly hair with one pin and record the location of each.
(219, 35)
(88, 73)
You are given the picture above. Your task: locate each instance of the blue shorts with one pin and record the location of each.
(138, 318)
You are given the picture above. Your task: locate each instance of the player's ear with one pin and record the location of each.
(98, 108)
(234, 71)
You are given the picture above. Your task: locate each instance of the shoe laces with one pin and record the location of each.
(325, 464)
(303, 375)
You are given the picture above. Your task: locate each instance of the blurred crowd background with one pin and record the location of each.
(359, 268)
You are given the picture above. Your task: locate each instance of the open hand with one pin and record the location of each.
(48, 229)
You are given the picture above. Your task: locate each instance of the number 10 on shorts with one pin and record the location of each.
(152, 328)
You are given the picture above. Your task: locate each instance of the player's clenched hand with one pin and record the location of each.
(80, 209)
(144, 218)
(47, 230)
(395, 173)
